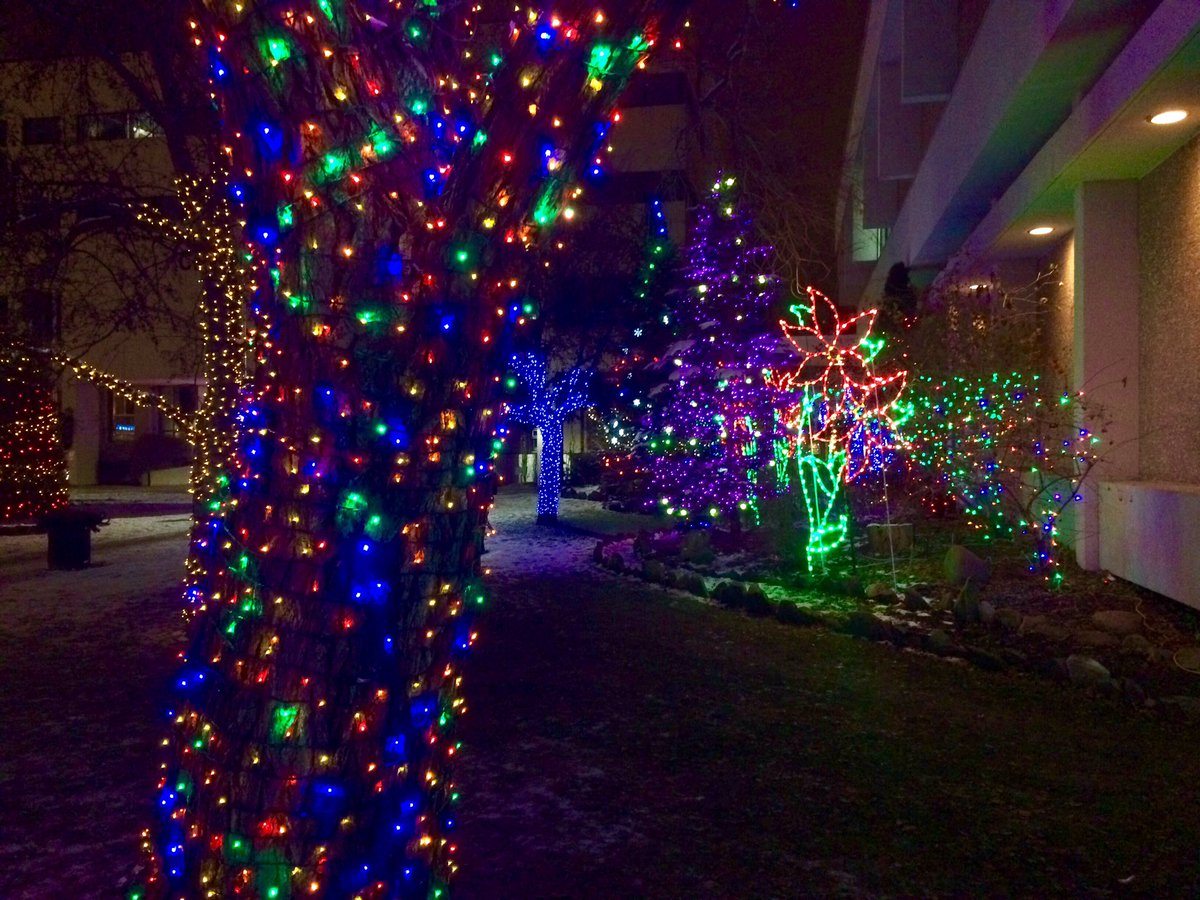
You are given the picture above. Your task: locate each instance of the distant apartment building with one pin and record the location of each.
(70, 130)
(1057, 135)
(124, 306)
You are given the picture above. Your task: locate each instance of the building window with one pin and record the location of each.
(143, 125)
(186, 398)
(119, 126)
(104, 127)
(3, 132)
(124, 418)
(41, 130)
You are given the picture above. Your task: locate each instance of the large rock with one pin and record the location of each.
(885, 540)
(1097, 639)
(654, 570)
(937, 641)
(793, 614)
(697, 547)
(866, 625)
(643, 544)
(1009, 619)
(987, 612)
(966, 608)
(757, 602)
(1136, 644)
(961, 566)
(1040, 626)
(1117, 621)
(881, 591)
(730, 594)
(1085, 670)
(985, 660)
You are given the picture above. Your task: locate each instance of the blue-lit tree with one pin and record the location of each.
(549, 402)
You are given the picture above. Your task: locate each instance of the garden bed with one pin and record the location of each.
(1101, 634)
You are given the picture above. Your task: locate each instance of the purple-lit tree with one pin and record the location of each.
(549, 402)
(714, 436)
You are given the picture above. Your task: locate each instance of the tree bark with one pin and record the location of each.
(318, 698)
(550, 470)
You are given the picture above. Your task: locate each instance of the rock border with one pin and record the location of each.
(1083, 672)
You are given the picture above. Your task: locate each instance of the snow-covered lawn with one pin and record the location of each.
(85, 658)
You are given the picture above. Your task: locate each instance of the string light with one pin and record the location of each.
(713, 437)
(847, 419)
(1009, 452)
(126, 390)
(634, 376)
(209, 229)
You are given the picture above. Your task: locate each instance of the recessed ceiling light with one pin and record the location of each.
(1168, 117)
(1042, 230)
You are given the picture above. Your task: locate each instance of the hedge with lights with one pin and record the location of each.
(33, 472)
(1009, 452)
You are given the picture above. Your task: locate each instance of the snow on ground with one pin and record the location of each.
(518, 540)
(85, 658)
(521, 545)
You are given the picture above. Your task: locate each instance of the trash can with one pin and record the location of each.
(69, 536)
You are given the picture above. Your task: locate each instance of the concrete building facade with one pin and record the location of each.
(74, 146)
(1057, 135)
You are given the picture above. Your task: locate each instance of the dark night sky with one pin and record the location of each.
(792, 93)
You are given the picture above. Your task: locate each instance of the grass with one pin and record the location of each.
(629, 742)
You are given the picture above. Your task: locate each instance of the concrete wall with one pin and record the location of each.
(1169, 212)
(1058, 325)
(1149, 535)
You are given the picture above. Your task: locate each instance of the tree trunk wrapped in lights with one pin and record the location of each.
(550, 402)
(395, 165)
(209, 230)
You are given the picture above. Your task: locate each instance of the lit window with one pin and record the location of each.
(143, 125)
(124, 419)
(103, 127)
